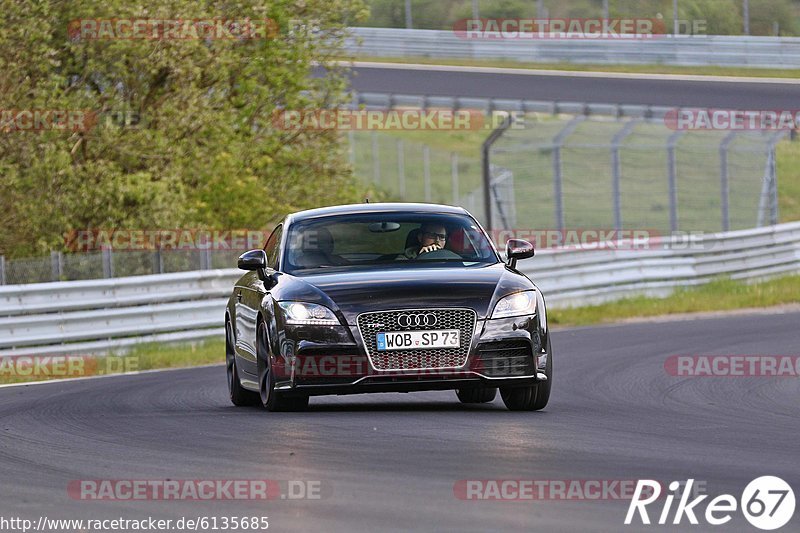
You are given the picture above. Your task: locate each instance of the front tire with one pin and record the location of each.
(477, 395)
(239, 396)
(535, 397)
(271, 399)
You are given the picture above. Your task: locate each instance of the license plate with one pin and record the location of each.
(416, 340)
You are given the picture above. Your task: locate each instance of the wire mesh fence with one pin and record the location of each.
(410, 170)
(579, 172)
(567, 171)
(111, 264)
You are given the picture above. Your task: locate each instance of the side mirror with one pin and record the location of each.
(518, 249)
(253, 260)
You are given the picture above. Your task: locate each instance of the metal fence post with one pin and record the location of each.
(454, 177)
(768, 199)
(558, 142)
(486, 165)
(205, 259)
(773, 173)
(376, 160)
(426, 164)
(746, 16)
(158, 261)
(765, 198)
(675, 25)
(401, 169)
(108, 263)
(616, 170)
(56, 265)
(672, 178)
(2, 270)
(724, 186)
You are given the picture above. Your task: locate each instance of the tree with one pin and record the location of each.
(205, 152)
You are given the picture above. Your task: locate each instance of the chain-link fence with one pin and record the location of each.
(594, 172)
(410, 170)
(111, 264)
(570, 171)
(727, 17)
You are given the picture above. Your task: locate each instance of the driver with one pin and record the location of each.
(431, 237)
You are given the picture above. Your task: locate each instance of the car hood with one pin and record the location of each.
(476, 288)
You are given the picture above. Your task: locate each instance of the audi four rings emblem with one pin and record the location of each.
(408, 321)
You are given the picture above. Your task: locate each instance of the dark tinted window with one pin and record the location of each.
(386, 240)
(273, 247)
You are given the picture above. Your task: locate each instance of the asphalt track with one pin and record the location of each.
(389, 462)
(735, 93)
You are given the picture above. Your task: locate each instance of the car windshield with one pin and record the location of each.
(386, 240)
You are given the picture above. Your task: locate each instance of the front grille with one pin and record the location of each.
(505, 359)
(369, 324)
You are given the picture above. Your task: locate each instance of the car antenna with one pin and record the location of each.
(366, 200)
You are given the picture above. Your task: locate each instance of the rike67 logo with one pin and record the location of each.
(767, 503)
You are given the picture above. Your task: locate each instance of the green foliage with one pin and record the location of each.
(206, 152)
(787, 158)
(765, 13)
(722, 16)
(139, 358)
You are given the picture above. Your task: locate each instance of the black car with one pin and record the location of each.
(386, 298)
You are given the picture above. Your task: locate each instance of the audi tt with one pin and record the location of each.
(386, 298)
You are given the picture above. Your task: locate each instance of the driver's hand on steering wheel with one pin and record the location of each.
(430, 248)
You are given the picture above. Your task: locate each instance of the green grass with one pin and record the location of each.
(151, 356)
(576, 67)
(720, 295)
(143, 357)
(788, 161)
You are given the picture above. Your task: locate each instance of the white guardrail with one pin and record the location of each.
(96, 316)
(701, 50)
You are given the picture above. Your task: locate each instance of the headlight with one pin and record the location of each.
(298, 313)
(521, 303)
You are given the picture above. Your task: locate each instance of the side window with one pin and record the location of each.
(273, 247)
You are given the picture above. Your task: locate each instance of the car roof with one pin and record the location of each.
(386, 207)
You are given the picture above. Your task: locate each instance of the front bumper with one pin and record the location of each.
(401, 384)
(332, 360)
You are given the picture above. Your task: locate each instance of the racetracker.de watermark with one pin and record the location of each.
(197, 489)
(306, 366)
(178, 29)
(571, 28)
(88, 240)
(769, 366)
(398, 119)
(603, 239)
(64, 366)
(544, 489)
(40, 120)
(689, 119)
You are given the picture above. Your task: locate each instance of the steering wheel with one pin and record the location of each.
(439, 254)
